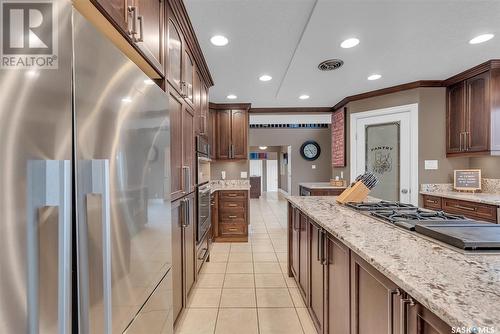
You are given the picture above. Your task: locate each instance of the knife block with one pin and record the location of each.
(357, 194)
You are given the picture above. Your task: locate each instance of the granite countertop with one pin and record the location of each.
(463, 289)
(319, 185)
(486, 198)
(214, 188)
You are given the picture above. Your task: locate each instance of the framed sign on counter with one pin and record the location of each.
(338, 138)
(467, 180)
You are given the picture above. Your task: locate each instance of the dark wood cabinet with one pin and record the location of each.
(188, 77)
(472, 210)
(183, 251)
(422, 321)
(174, 54)
(317, 286)
(232, 215)
(214, 214)
(255, 186)
(303, 283)
(232, 133)
(314, 191)
(212, 133)
(188, 149)
(472, 97)
(375, 300)
(294, 242)
(117, 12)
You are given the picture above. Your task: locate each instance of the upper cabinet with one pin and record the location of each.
(232, 131)
(212, 133)
(174, 56)
(473, 97)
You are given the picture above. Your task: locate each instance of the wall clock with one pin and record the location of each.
(310, 150)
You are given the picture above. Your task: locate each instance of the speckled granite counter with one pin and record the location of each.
(486, 198)
(229, 185)
(462, 289)
(319, 185)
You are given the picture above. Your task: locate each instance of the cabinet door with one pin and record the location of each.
(204, 109)
(337, 282)
(177, 252)
(294, 239)
(317, 277)
(239, 134)
(422, 321)
(223, 134)
(375, 300)
(174, 56)
(188, 150)
(455, 118)
(150, 37)
(478, 113)
(212, 133)
(197, 103)
(303, 254)
(116, 10)
(189, 244)
(188, 77)
(176, 173)
(214, 200)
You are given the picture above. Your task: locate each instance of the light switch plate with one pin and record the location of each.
(243, 175)
(431, 165)
(223, 174)
(313, 166)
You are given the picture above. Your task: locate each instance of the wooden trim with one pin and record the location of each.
(285, 110)
(481, 68)
(228, 106)
(180, 13)
(388, 90)
(93, 12)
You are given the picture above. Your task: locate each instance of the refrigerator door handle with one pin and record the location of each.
(49, 246)
(94, 246)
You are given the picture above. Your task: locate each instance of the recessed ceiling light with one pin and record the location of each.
(149, 82)
(265, 77)
(262, 147)
(374, 77)
(219, 40)
(481, 38)
(232, 97)
(126, 100)
(349, 43)
(304, 97)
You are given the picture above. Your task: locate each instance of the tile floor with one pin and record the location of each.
(245, 287)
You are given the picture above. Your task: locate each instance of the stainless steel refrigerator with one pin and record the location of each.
(85, 239)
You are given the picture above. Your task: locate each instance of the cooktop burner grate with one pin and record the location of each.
(382, 205)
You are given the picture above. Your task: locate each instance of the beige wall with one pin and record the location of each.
(490, 166)
(301, 169)
(232, 168)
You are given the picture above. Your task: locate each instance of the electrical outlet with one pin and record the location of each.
(223, 174)
(431, 165)
(243, 175)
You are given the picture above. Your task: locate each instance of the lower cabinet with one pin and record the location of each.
(183, 251)
(232, 215)
(344, 293)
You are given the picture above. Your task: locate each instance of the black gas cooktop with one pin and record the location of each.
(455, 230)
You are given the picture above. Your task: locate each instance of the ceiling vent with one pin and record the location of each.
(330, 64)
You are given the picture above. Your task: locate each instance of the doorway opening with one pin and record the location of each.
(271, 166)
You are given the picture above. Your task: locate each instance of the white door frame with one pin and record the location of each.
(412, 111)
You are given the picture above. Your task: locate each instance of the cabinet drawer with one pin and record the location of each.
(472, 210)
(233, 229)
(225, 204)
(432, 202)
(241, 194)
(232, 214)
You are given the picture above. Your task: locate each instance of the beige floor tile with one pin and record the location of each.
(214, 268)
(219, 256)
(237, 320)
(279, 321)
(296, 297)
(282, 256)
(197, 321)
(290, 281)
(149, 322)
(267, 268)
(261, 242)
(221, 247)
(306, 321)
(240, 257)
(238, 298)
(269, 281)
(262, 248)
(241, 248)
(274, 298)
(210, 281)
(239, 268)
(284, 267)
(259, 236)
(239, 281)
(265, 257)
(201, 298)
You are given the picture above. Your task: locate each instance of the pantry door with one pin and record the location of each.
(385, 142)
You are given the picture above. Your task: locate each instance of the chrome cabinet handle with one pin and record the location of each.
(394, 292)
(48, 218)
(405, 303)
(140, 19)
(461, 142)
(132, 14)
(94, 242)
(458, 206)
(187, 178)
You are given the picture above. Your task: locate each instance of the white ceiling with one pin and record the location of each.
(403, 40)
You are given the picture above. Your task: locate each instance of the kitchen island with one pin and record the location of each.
(390, 280)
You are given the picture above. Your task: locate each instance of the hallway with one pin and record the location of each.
(245, 287)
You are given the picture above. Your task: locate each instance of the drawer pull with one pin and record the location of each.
(232, 205)
(432, 201)
(232, 216)
(232, 229)
(232, 195)
(458, 206)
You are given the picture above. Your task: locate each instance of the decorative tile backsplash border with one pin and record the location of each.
(490, 186)
(231, 183)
